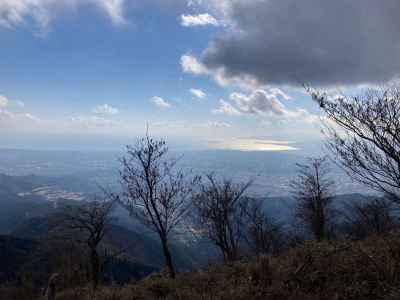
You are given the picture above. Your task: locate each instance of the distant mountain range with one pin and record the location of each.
(27, 200)
(25, 197)
(24, 212)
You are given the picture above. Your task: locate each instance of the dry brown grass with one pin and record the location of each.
(368, 269)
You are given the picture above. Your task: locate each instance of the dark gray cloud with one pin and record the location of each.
(310, 41)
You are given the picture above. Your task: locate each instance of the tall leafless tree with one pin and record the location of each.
(364, 135)
(264, 234)
(312, 190)
(220, 209)
(88, 223)
(374, 216)
(155, 191)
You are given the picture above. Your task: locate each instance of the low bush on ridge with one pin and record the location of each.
(368, 269)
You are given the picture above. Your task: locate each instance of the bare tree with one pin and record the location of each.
(364, 135)
(50, 291)
(264, 235)
(220, 208)
(313, 191)
(88, 223)
(155, 191)
(374, 216)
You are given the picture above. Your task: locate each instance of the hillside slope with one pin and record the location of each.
(367, 270)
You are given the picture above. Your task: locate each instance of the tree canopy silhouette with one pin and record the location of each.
(155, 191)
(364, 135)
(312, 189)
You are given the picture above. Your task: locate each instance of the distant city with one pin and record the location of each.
(270, 172)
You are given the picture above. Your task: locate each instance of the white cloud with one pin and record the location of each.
(18, 103)
(226, 109)
(17, 121)
(160, 102)
(91, 122)
(191, 65)
(258, 102)
(16, 12)
(264, 103)
(279, 93)
(301, 114)
(216, 124)
(12, 116)
(220, 8)
(189, 125)
(198, 93)
(7, 102)
(198, 20)
(114, 9)
(3, 101)
(28, 116)
(105, 109)
(97, 121)
(168, 125)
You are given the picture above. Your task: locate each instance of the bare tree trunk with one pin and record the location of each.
(312, 190)
(168, 258)
(155, 191)
(95, 262)
(51, 288)
(232, 255)
(320, 230)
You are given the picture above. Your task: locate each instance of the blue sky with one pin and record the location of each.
(87, 73)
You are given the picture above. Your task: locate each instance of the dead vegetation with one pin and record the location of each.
(368, 269)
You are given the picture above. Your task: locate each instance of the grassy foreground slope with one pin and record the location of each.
(368, 269)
